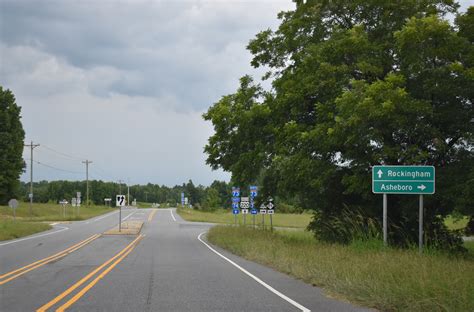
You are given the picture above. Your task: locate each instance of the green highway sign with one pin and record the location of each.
(403, 179)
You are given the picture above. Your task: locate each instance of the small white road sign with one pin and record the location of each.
(271, 211)
(120, 201)
(13, 203)
(263, 211)
(245, 211)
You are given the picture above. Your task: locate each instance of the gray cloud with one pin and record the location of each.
(157, 46)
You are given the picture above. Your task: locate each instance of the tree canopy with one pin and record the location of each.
(12, 138)
(355, 84)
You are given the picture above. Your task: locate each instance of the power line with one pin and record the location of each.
(55, 168)
(61, 153)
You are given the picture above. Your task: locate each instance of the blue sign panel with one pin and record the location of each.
(235, 199)
(235, 211)
(235, 205)
(235, 191)
(253, 191)
(252, 205)
(253, 211)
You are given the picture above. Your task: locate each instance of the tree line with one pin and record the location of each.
(217, 195)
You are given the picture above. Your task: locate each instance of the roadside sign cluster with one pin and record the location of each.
(246, 205)
(182, 198)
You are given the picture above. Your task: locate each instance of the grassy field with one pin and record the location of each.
(365, 273)
(52, 212)
(226, 217)
(10, 229)
(42, 213)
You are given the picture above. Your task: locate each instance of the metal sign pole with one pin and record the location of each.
(385, 219)
(263, 221)
(271, 222)
(235, 219)
(420, 226)
(254, 221)
(245, 217)
(120, 219)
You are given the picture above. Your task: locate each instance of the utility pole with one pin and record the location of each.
(128, 192)
(31, 146)
(120, 187)
(87, 162)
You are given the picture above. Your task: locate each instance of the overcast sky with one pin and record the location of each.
(124, 83)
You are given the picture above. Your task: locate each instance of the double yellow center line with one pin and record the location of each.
(7, 277)
(151, 215)
(108, 265)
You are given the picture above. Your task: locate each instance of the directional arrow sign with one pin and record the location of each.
(403, 179)
(120, 200)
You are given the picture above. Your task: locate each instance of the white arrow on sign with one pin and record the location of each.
(421, 187)
(380, 172)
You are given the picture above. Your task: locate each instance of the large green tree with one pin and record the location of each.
(355, 84)
(12, 138)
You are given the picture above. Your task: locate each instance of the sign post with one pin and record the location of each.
(410, 180)
(63, 204)
(244, 205)
(120, 202)
(13, 203)
(78, 202)
(253, 194)
(270, 211)
(263, 212)
(235, 202)
(74, 204)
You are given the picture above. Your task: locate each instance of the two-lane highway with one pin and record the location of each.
(168, 267)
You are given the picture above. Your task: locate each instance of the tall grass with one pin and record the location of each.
(364, 271)
(10, 229)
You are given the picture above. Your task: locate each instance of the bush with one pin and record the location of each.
(352, 225)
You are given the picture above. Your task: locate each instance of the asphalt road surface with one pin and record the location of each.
(168, 267)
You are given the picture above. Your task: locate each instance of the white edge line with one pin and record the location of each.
(270, 288)
(172, 215)
(104, 216)
(129, 216)
(35, 236)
